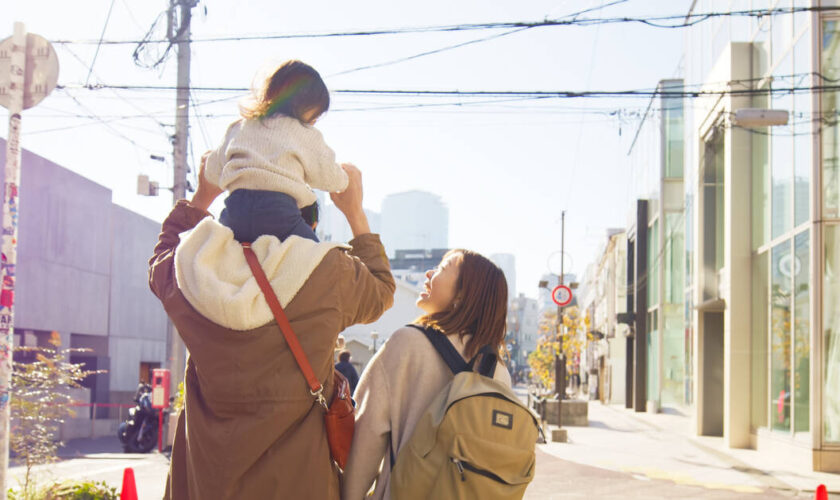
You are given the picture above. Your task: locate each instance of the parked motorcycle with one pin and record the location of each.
(139, 432)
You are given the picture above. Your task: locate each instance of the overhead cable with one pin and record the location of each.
(568, 94)
(653, 21)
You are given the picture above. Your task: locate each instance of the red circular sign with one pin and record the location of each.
(562, 295)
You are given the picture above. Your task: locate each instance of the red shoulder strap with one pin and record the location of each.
(315, 386)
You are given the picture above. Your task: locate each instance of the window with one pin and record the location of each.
(673, 130)
(831, 332)
(801, 332)
(803, 130)
(713, 213)
(780, 317)
(781, 174)
(830, 68)
(758, 380)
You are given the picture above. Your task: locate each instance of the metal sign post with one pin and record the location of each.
(28, 73)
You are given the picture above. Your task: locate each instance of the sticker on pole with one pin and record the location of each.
(562, 295)
(39, 72)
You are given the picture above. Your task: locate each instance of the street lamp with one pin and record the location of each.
(374, 335)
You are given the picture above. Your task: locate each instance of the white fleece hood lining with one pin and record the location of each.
(216, 280)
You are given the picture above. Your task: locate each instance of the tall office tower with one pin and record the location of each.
(414, 220)
(507, 262)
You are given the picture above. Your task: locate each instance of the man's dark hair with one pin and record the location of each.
(344, 357)
(310, 213)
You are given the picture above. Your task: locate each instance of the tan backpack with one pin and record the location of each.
(475, 441)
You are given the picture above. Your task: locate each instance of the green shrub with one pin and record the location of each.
(70, 490)
(40, 403)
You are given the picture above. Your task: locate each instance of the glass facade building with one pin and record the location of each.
(657, 157)
(763, 241)
(741, 324)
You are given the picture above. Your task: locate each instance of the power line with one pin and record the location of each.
(568, 94)
(571, 182)
(117, 94)
(464, 44)
(427, 53)
(101, 37)
(103, 122)
(654, 21)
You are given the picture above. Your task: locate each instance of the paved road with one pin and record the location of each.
(102, 460)
(614, 457)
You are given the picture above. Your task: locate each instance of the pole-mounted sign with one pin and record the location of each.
(28, 73)
(561, 295)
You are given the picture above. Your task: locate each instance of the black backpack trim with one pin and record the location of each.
(445, 348)
(453, 359)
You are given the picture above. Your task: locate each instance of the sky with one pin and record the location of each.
(506, 168)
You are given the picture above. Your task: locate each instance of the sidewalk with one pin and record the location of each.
(773, 467)
(661, 447)
(559, 479)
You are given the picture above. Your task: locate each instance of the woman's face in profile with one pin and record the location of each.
(440, 285)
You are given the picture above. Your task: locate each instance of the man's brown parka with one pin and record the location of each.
(250, 428)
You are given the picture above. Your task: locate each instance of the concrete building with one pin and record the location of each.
(403, 311)
(82, 271)
(414, 219)
(507, 263)
(523, 328)
(606, 298)
(417, 260)
(333, 226)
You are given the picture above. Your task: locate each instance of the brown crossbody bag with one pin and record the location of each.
(339, 416)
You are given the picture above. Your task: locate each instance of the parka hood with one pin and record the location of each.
(212, 273)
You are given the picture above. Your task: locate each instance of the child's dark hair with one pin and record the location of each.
(310, 213)
(294, 89)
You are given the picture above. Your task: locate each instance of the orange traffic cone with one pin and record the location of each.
(822, 493)
(129, 489)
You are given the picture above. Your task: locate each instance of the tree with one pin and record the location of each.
(570, 339)
(40, 403)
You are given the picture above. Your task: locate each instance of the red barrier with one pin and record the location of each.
(104, 405)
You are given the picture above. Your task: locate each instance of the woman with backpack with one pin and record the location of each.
(465, 301)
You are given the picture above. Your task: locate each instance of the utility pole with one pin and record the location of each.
(180, 36)
(28, 73)
(10, 212)
(560, 358)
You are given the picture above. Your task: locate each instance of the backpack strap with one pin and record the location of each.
(487, 367)
(445, 348)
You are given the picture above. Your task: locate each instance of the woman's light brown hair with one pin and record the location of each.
(480, 305)
(293, 89)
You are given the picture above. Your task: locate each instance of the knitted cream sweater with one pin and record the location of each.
(395, 390)
(275, 154)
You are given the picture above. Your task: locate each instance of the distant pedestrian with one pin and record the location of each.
(465, 299)
(347, 369)
(251, 428)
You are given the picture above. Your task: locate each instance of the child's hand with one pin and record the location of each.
(349, 200)
(206, 191)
